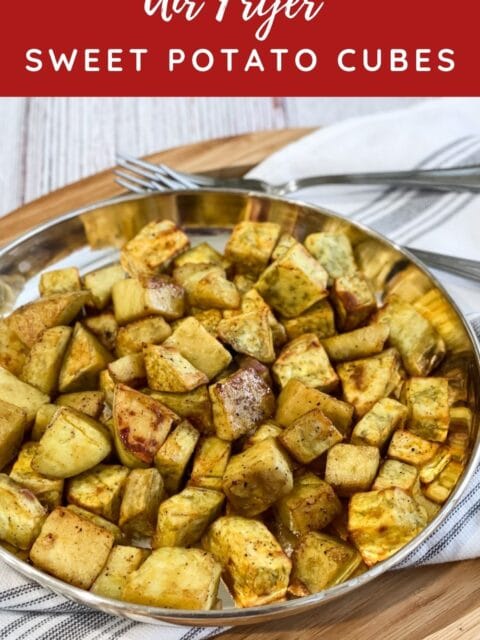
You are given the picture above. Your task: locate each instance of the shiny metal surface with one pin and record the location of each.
(90, 238)
(154, 177)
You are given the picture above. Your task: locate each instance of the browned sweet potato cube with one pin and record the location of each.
(174, 455)
(134, 299)
(413, 336)
(368, 380)
(333, 251)
(201, 349)
(318, 319)
(194, 406)
(60, 281)
(134, 336)
(207, 286)
(394, 473)
(354, 300)
(250, 334)
(440, 489)
(168, 370)
(71, 548)
(296, 399)
(408, 447)
(306, 360)
(209, 464)
(309, 436)
(310, 506)
(251, 244)
(293, 283)
(153, 248)
(351, 468)
(382, 522)
(429, 412)
(104, 327)
(240, 402)
(257, 477)
(376, 426)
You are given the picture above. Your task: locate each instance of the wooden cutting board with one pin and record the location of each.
(429, 603)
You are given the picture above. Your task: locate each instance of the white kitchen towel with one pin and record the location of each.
(436, 133)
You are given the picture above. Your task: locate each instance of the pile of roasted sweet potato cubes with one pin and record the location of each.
(186, 415)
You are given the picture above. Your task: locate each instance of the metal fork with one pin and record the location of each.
(144, 177)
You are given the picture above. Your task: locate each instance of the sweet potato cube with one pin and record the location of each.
(99, 490)
(99, 521)
(47, 490)
(60, 281)
(174, 455)
(121, 562)
(209, 319)
(43, 364)
(458, 444)
(134, 336)
(394, 473)
(413, 336)
(461, 420)
(293, 283)
(306, 360)
(253, 301)
(153, 248)
(360, 343)
(321, 561)
(88, 402)
(183, 518)
(13, 421)
(410, 448)
(353, 299)
(100, 284)
(318, 319)
(296, 399)
(351, 468)
(141, 426)
(194, 406)
(71, 444)
(43, 417)
(333, 251)
(255, 567)
(429, 412)
(201, 349)
(310, 506)
(71, 548)
(168, 370)
(207, 287)
(440, 489)
(434, 467)
(376, 426)
(134, 299)
(250, 334)
(257, 477)
(251, 244)
(285, 242)
(21, 515)
(104, 327)
(202, 254)
(160, 581)
(84, 359)
(382, 522)
(31, 320)
(141, 499)
(129, 370)
(13, 352)
(240, 402)
(209, 463)
(21, 394)
(264, 431)
(368, 380)
(310, 435)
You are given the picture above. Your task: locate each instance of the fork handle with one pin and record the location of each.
(466, 178)
(459, 266)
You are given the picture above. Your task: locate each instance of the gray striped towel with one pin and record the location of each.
(437, 133)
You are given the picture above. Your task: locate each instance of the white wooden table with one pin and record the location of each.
(46, 143)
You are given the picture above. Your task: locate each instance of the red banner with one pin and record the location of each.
(239, 47)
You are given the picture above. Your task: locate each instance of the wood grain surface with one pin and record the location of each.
(438, 602)
(47, 143)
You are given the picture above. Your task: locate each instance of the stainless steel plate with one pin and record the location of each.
(90, 238)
